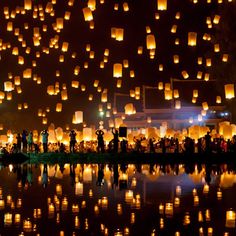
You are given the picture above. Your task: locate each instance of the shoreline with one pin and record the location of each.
(117, 158)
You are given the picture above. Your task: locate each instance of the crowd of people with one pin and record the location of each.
(140, 144)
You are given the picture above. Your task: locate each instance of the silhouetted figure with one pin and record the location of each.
(115, 139)
(199, 145)
(36, 148)
(176, 145)
(101, 145)
(152, 145)
(72, 140)
(208, 142)
(45, 140)
(138, 145)
(62, 148)
(18, 142)
(24, 140)
(163, 145)
(124, 145)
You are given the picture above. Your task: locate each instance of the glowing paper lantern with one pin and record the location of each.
(59, 107)
(78, 117)
(229, 91)
(8, 86)
(192, 39)
(168, 95)
(117, 70)
(150, 41)
(161, 5)
(104, 97)
(205, 106)
(129, 109)
(119, 34)
(88, 15)
(64, 95)
(218, 99)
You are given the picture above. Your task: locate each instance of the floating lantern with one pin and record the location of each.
(150, 41)
(177, 104)
(8, 86)
(129, 109)
(78, 117)
(168, 95)
(230, 219)
(192, 39)
(169, 210)
(218, 99)
(205, 106)
(161, 5)
(229, 91)
(58, 107)
(88, 15)
(117, 70)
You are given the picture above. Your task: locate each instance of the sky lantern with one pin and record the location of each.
(64, 47)
(216, 19)
(10, 26)
(27, 73)
(125, 63)
(75, 84)
(59, 23)
(161, 5)
(192, 39)
(67, 15)
(104, 97)
(140, 50)
(218, 99)
(119, 83)
(185, 74)
(21, 60)
(17, 80)
(176, 93)
(176, 59)
(88, 15)
(129, 109)
(160, 86)
(58, 107)
(229, 91)
(117, 70)
(225, 57)
(132, 74)
(119, 34)
(8, 86)
(150, 41)
(205, 106)
(64, 95)
(195, 93)
(92, 4)
(177, 104)
(168, 95)
(79, 117)
(50, 90)
(125, 6)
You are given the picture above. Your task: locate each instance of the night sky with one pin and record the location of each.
(78, 34)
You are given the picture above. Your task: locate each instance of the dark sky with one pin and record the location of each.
(77, 33)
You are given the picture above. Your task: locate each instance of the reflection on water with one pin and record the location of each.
(121, 199)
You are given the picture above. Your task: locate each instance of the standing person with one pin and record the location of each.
(45, 140)
(152, 145)
(208, 142)
(115, 139)
(72, 140)
(101, 145)
(24, 140)
(18, 142)
(30, 141)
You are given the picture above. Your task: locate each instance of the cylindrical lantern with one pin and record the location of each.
(192, 39)
(229, 91)
(117, 70)
(78, 117)
(150, 41)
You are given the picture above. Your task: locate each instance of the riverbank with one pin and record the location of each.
(113, 158)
